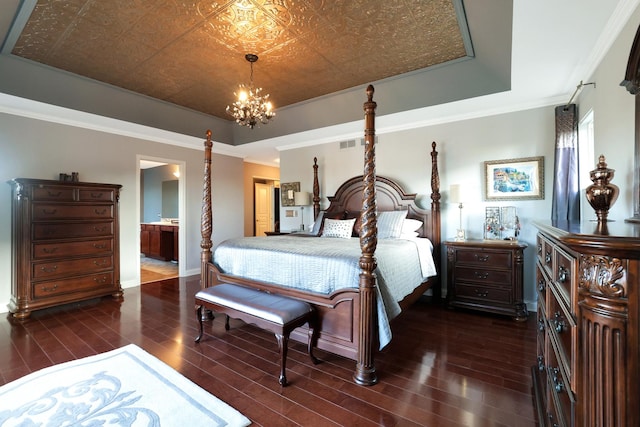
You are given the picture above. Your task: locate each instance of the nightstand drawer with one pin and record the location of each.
(500, 259)
(483, 293)
(482, 275)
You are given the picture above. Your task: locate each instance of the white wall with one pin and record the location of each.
(32, 148)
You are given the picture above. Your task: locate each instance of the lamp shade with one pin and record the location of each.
(455, 194)
(301, 198)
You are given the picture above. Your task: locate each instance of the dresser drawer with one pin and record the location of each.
(45, 212)
(46, 270)
(564, 275)
(66, 249)
(503, 259)
(559, 391)
(71, 230)
(96, 195)
(479, 293)
(53, 192)
(483, 275)
(92, 283)
(545, 254)
(541, 284)
(562, 330)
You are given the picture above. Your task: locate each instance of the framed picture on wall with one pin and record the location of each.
(514, 179)
(287, 191)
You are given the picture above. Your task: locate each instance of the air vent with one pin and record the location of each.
(375, 140)
(347, 144)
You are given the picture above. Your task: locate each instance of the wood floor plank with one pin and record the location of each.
(442, 368)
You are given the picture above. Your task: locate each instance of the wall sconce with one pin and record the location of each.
(456, 196)
(302, 199)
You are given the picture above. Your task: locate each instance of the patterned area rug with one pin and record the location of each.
(153, 270)
(123, 387)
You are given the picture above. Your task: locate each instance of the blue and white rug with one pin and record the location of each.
(123, 387)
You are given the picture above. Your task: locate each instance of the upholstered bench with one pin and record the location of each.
(274, 313)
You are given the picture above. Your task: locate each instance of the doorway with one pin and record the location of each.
(161, 209)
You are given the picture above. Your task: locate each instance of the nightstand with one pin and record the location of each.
(486, 275)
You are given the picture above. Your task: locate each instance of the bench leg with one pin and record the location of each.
(313, 336)
(283, 341)
(199, 317)
(226, 323)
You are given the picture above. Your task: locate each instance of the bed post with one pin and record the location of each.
(435, 218)
(365, 373)
(206, 223)
(316, 190)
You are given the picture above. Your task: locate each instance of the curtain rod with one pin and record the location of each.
(575, 92)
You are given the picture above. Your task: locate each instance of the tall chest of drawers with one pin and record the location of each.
(587, 365)
(486, 275)
(65, 243)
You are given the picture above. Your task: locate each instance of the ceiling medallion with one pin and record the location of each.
(251, 108)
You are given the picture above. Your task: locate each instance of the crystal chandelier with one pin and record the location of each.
(251, 107)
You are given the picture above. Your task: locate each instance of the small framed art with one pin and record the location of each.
(514, 179)
(287, 191)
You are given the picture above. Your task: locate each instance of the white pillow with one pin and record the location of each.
(390, 224)
(409, 236)
(409, 226)
(342, 228)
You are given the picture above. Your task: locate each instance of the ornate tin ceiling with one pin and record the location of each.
(191, 53)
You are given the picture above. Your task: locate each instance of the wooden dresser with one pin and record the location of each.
(486, 275)
(65, 243)
(587, 367)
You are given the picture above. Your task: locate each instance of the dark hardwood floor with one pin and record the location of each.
(443, 367)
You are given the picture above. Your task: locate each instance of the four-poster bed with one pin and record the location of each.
(348, 315)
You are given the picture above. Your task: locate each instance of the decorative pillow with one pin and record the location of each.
(409, 236)
(358, 223)
(390, 224)
(342, 228)
(317, 225)
(329, 215)
(409, 226)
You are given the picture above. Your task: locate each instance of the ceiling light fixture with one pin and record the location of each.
(251, 108)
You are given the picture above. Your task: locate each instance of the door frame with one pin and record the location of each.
(182, 187)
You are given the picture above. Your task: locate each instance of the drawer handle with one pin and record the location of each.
(557, 382)
(49, 269)
(481, 294)
(96, 195)
(49, 212)
(482, 258)
(553, 423)
(541, 325)
(541, 285)
(100, 229)
(100, 212)
(559, 323)
(541, 363)
(51, 194)
(547, 258)
(100, 280)
(99, 246)
(101, 263)
(539, 248)
(51, 289)
(481, 275)
(50, 250)
(563, 274)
